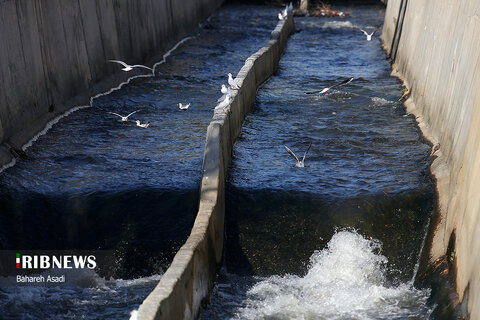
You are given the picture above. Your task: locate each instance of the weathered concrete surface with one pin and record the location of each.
(437, 54)
(189, 280)
(54, 53)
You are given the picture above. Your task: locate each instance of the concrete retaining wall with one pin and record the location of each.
(436, 50)
(189, 280)
(53, 53)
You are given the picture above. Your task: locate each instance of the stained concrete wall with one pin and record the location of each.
(53, 53)
(436, 50)
(189, 280)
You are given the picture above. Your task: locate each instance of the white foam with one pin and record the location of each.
(377, 101)
(50, 124)
(338, 25)
(8, 165)
(344, 281)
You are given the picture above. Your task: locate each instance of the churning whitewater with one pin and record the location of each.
(346, 280)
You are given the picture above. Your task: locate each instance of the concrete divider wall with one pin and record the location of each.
(437, 54)
(189, 280)
(54, 53)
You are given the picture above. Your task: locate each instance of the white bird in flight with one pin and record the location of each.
(325, 90)
(142, 125)
(232, 82)
(130, 67)
(300, 163)
(369, 36)
(122, 118)
(182, 106)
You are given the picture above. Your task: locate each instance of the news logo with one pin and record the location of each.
(44, 262)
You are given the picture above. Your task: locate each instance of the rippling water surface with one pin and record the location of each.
(340, 238)
(94, 183)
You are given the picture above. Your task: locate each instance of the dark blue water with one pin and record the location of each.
(94, 183)
(340, 238)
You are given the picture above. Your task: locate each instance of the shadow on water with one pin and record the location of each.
(143, 227)
(340, 238)
(94, 183)
(265, 239)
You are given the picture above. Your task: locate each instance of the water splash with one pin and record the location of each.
(346, 280)
(339, 25)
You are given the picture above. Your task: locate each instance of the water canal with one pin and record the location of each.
(340, 238)
(94, 183)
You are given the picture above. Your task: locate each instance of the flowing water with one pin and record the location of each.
(94, 183)
(340, 238)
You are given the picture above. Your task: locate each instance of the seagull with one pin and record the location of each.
(226, 92)
(123, 119)
(300, 163)
(232, 82)
(142, 125)
(325, 90)
(129, 67)
(183, 107)
(369, 36)
(222, 105)
(224, 89)
(133, 315)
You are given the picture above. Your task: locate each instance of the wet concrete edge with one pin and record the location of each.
(438, 250)
(187, 283)
(56, 57)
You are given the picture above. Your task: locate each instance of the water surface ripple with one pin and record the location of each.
(340, 238)
(94, 183)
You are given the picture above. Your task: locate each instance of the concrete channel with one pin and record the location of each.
(188, 281)
(435, 51)
(57, 53)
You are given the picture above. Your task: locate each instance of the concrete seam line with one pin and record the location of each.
(176, 295)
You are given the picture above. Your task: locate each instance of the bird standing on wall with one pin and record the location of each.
(142, 125)
(133, 315)
(300, 163)
(222, 105)
(122, 118)
(369, 36)
(283, 15)
(130, 67)
(182, 106)
(324, 91)
(226, 92)
(232, 82)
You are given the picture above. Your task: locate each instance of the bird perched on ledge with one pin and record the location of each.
(226, 92)
(232, 82)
